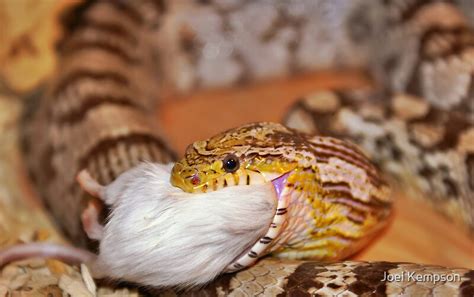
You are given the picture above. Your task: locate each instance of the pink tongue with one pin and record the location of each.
(279, 184)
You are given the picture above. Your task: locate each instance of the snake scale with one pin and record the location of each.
(118, 55)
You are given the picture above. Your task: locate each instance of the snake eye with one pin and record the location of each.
(231, 163)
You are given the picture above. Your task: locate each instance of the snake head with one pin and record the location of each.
(251, 154)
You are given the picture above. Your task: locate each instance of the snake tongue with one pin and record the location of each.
(279, 183)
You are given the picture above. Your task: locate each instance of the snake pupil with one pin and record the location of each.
(231, 163)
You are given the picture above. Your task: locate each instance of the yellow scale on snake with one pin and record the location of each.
(331, 199)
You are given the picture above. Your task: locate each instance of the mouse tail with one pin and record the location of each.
(65, 253)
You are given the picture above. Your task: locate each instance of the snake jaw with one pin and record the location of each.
(263, 246)
(210, 177)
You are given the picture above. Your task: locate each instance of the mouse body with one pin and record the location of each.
(158, 235)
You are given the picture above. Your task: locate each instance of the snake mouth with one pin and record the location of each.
(210, 178)
(279, 184)
(268, 241)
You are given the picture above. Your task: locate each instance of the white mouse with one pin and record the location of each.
(160, 236)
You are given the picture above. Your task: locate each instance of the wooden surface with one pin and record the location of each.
(417, 233)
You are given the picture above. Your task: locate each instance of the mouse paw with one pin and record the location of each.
(90, 221)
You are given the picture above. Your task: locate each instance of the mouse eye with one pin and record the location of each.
(231, 163)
